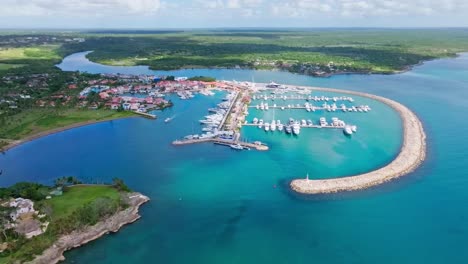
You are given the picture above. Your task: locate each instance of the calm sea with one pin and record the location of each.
(214, 205)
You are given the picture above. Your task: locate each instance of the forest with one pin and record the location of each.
(306, 51)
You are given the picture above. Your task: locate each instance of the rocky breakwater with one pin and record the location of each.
(412, 154)
(54, 254)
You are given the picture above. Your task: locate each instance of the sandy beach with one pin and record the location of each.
(412, 154)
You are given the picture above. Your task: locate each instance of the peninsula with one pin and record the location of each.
(39, 223)
(412, 153)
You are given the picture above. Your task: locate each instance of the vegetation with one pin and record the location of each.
(33, 191)
(202, 78)
(34, 121)
(78, 207)
(358, 50)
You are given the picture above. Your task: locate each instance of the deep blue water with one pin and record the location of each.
(213, 205)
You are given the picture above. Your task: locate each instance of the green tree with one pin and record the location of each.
(120, 185)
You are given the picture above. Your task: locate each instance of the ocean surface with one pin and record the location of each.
(211, 204)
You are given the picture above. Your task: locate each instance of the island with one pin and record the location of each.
(412, 154)
(39, 223)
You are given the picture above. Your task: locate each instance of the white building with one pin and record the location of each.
(22, 206)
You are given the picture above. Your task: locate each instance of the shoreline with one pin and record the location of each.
(54, 254)
(16, 143)
(406, 68)
(411, 155)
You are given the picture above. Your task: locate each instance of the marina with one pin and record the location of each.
(225, 121)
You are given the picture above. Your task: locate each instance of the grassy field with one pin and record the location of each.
(36, 53)
(31, 122)
(63, 207)
(372, 50)
(37, 59)
(77, 196)
(7, 66)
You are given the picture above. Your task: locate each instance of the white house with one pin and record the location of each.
(22, 206)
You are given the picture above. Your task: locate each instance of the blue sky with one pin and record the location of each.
(231, 13)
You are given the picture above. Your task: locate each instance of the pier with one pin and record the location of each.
(150, 116)
(220, 141)
(228, 112)
(302, 126)
(313, 108)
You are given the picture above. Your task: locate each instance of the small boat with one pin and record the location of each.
(348, 130)
(167, 120)
(288, 129)
(296, 128)
(354, 128)
(236, 147)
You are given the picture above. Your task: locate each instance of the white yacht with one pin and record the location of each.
(280, 127)
(236, 147)
(288, 129)
(323, 121)
(348, 130)
(296, 128)
(273, 125)
(255, 120)
(260, 123)
(267, 126)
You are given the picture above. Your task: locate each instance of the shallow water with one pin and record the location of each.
(213, 205)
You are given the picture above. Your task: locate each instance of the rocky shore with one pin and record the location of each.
(54, 254)
(412, 154)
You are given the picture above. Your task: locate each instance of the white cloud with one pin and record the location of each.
(359, 8)
(216, 12)
(77, 8)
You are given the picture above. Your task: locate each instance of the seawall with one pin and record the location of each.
(412, 154)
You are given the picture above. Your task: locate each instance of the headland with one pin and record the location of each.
(54, 254)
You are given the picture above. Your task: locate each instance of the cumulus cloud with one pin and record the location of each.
(359, 8)
(233, 9)
(73, 8)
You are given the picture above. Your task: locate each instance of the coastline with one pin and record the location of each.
(327, 75)
(412, 154)
(54, 254)
(16, 143)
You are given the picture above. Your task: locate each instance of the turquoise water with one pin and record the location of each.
(213, 205)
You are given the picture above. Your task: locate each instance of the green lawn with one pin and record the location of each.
(78, 196)
(63, 206)
(7, 66)
(31, 122)
(38, 53)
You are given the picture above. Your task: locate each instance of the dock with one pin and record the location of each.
(220, 141)
(356, 109)
(150, 116)
(302, 126)
(228, 112)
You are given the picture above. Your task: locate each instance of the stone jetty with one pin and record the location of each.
(412, 154)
